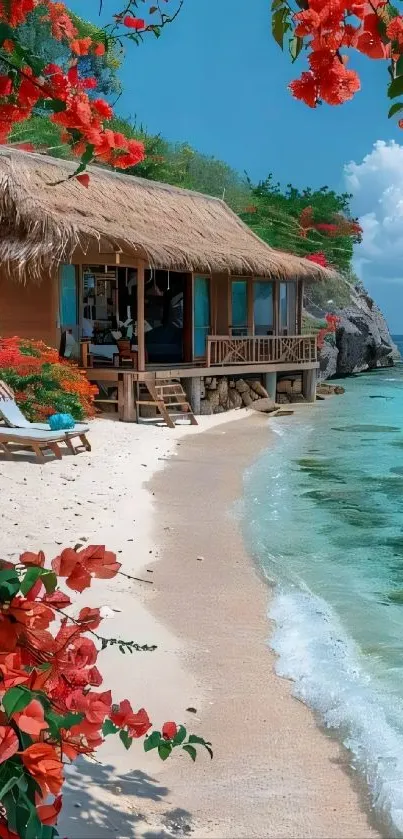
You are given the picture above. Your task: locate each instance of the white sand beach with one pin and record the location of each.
(160, 499)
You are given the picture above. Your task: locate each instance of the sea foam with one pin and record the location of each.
(328, 672)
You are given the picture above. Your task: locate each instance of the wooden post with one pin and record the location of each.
(129, 408)
(300, 305)
(140, 318)
(309, 378)
(193, 393)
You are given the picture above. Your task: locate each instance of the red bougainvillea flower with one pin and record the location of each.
(42, 762)
(48, 813)
(318, 258)
(169, 730)
(31, 720)
(81, 46)
(134, 22)
(79, 566)
(23, 618)
(8, 743)
(5, 833)
(99, 49)
(306, 89)
(16, 11)
(6, 86)
(95, 706)
(394, 30)
(90, 618)
(84, 180)
(124, 717)
(29, 558)
(103, 108)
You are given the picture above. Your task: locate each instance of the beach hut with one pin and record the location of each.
(175, 273)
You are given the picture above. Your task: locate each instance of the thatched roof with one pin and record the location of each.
(43, 223)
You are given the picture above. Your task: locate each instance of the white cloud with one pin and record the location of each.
(377, 187)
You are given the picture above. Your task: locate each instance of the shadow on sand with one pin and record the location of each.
(99, 804)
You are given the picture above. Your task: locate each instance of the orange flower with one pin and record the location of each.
(81, 46)
(124, 717)
(48, 813)
(8, 743)
(31, 720)
(42, 762)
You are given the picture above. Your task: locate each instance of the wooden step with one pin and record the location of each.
(164, 394)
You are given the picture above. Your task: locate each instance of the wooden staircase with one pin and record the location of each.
(168, 398)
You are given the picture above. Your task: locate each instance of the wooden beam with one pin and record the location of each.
(140, 317)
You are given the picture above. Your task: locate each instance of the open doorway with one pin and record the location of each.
(164, 316)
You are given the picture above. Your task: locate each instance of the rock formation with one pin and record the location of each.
(362, 340)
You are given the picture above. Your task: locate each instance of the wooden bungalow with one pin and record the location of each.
(207, 297)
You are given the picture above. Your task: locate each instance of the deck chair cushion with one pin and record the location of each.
(12, 414)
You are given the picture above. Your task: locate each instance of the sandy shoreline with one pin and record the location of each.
(156, 494)
(275, 774)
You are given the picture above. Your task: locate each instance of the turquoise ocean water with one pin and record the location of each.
(324, 513)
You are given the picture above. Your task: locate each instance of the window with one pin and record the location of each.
(68, 299)
(263, 307)
(201, 315)
(288, 308)
(239, 323)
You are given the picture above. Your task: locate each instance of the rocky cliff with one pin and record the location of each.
(362, 340)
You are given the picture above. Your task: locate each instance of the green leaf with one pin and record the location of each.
(201, 742)
(280, 24)
(180, 736)
(295, 45)
(85, 159)
(398, 106)
(5, 32)
(126, 739)
(191, 751)
(58, 722)
(30, 579)
(16, 699)
(164, 750)
(396, 87)
(152, 741)
(48, 578)
(12, 781)
(33, 828)
(54, 105)
(9, 584)
(109, 728)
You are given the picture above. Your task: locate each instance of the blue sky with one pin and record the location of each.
(217, 80)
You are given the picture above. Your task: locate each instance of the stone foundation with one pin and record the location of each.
(222, 393)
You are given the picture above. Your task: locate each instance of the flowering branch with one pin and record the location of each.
(50, 712)
(30, 83)
(325, 29)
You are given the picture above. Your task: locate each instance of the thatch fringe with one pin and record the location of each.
(42, 222)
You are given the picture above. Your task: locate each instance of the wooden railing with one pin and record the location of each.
(294, 349)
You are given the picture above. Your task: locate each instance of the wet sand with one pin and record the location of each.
(274, 773)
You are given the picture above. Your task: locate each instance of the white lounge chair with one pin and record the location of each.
(39, 441)
(16, 421)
